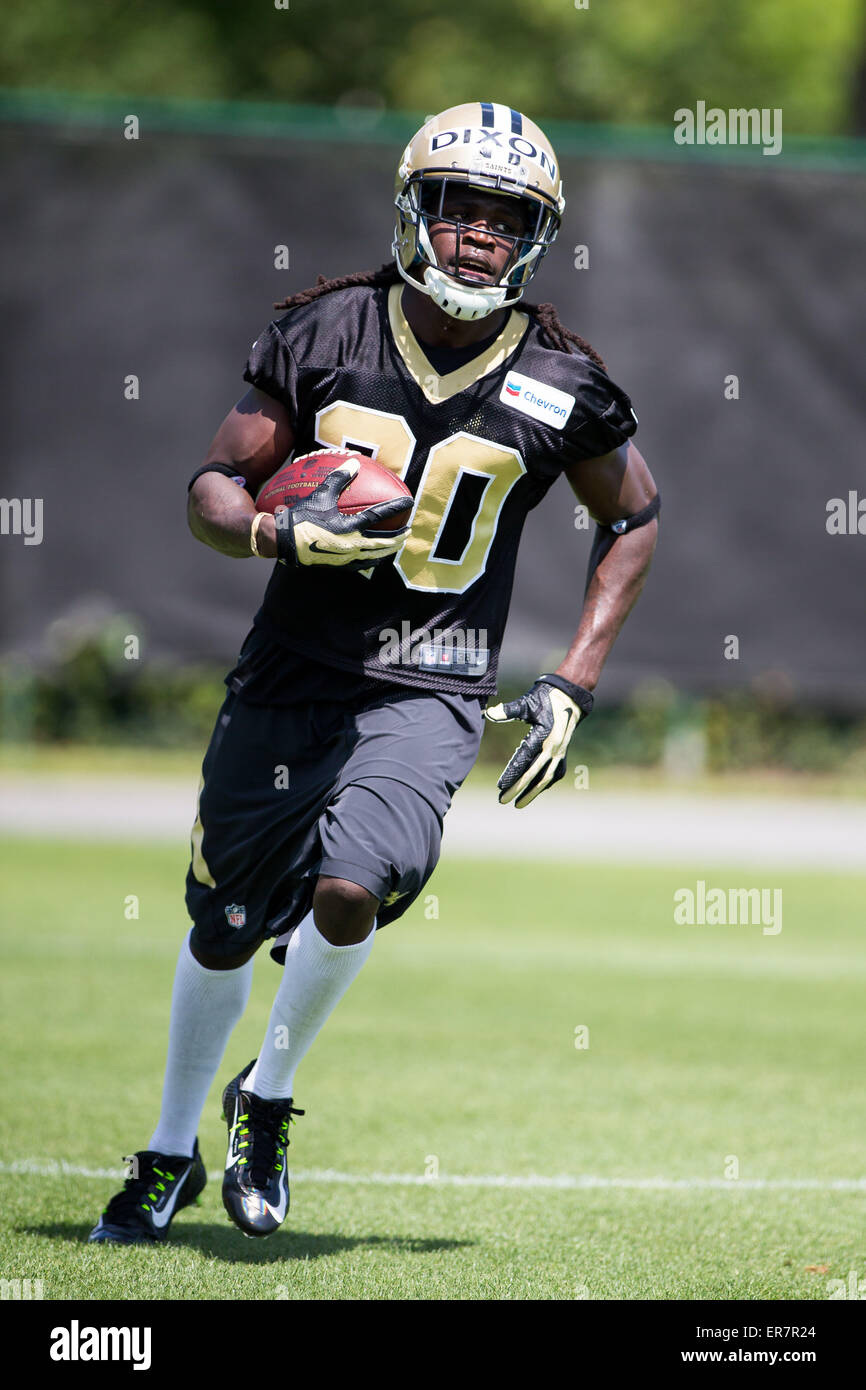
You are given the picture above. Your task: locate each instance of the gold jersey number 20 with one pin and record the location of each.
(389, 440)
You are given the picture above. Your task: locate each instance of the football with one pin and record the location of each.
(373, 483)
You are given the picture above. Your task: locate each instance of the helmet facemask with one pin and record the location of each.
(423, 199)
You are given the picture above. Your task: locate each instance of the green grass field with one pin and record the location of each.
(456, 1047)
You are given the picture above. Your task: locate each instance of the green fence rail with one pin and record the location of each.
(367, 125)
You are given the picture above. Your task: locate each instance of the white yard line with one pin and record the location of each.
(658, 828)
(58, 1168)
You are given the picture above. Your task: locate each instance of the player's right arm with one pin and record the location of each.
(254, 440)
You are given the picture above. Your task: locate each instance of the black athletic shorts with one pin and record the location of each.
(354, 786)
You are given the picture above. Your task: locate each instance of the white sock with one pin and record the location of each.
(315, 978)
(205, 1006)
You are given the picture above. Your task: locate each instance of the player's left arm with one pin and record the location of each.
(614, 488)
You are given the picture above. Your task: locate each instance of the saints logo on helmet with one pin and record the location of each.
(492, 148)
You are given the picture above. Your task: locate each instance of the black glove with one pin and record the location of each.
(553, 707)
(315, 531)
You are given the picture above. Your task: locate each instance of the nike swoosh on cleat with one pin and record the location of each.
(261, 1206)
(232, 1159)
(162, 1218)
(278, 1212)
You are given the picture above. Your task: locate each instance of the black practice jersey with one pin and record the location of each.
(478, 448)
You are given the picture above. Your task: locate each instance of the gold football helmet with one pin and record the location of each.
(489, 147)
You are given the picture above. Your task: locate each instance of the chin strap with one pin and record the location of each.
(459, 301)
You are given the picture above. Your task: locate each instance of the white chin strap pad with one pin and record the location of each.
(462, 301)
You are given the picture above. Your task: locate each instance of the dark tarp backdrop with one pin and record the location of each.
(156, 258)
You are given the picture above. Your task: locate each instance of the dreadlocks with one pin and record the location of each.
(545, 315)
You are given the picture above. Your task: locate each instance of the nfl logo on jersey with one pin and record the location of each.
(236, 916)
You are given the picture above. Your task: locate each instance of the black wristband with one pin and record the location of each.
(584, 699)
(286, 551)
(227, 471)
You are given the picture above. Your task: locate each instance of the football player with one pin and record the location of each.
(356, 707)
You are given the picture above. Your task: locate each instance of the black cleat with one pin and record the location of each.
(256, 1181)
(160, 1184)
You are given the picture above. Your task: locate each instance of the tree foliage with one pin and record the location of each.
(619, 61)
